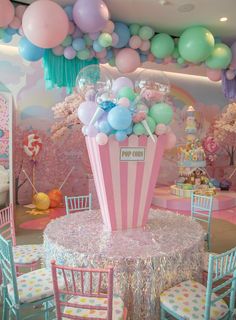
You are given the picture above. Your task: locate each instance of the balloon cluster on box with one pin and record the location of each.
(84, 31)
(122, 108)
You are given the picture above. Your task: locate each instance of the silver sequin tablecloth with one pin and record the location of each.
(146, 261)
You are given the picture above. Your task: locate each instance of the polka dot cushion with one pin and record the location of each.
(34, 285)
(187, 299)
(27, 253)
(117, 310)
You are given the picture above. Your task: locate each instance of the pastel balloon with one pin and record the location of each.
(126, 92)
(86, 111)
(142, 107)
(29, 51)
(69, 53)
(135, 42)
(119, 118)
(105, 40)
(139, 129)
(146, 33)
(104, 126)
(115, 39)
(145, 45)
(161, 113)
(196, 44)
(45, 23)
(6, 12)
(170, 140)
(58, 50)
(91, 131)
(90, 16)
(109, 28)
(101, 138)
(162, 45)
(220, 57)
(134, 29)
(127, 60)
(123, 33)
(124, 102)
(120, 83)
(121, 135)
(213, 74)
(161, 128)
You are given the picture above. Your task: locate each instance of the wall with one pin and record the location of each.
(33, 113)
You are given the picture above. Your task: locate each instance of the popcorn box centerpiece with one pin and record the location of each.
(125, 174)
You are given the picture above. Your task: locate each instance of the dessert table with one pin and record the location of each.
(146, 260)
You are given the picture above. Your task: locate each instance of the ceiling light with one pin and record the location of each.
(223, 19)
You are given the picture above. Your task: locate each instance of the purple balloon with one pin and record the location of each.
(69, 53)
(86, 111)
(90, 16)
(120, 83)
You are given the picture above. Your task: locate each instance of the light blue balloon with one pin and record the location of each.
(119, 118)
(97, 47)
(78, 44)
(10, 31)
(69, 12)
(29, 51)
(121, 135)
(123, 33)
(7, 37)
(129, 130)
(104, 127)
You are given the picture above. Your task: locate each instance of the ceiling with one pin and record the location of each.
(173, 16)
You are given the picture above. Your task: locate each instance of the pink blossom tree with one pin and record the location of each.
(225, 131)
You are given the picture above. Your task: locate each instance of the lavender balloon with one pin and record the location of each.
(86, 111)
(90, 16)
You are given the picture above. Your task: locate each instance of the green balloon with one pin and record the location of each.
(105, 40)
(196, 44)
(146, 33)
(220, 57)
(126, 92)
(88, 40)
(139, 129)
(162, 45)
(67, 41)
(134, 29)
(175, 53)
(83, 54)
(161, 113)
(151, 123)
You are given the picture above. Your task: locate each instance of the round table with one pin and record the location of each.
(146, 260)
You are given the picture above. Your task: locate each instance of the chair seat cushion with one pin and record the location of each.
(28, 253)
(34, 285)
(187, 299)
(117, 309)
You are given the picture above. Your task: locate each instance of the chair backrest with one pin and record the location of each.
(221, 280)
(78, 203)
(7, 226)
(8, 267)
(201, 208)
(82, 282)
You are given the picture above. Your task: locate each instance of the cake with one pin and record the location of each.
(193, 176)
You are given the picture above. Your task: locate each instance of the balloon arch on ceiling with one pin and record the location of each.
(72, 37)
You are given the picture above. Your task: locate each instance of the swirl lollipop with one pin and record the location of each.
(32, 145)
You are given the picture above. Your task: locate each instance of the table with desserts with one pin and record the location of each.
(146, 260)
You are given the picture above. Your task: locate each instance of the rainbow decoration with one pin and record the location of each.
(182, 95)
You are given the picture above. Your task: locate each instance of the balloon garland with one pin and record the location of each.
(84, 31)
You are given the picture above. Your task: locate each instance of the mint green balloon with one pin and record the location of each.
(83, 54)
(196, 44)
(151, 123)
(139, 129)
(126, 92)
(220, 57)
(105, 40)
(175, 53)
(67, 41)
(161, 113)
(134, 29)
(88, 40)
(162, 45)
(146, 33)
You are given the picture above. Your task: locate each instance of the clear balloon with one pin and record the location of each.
(93, 77)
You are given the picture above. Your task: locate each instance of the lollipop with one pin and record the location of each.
(32, 145)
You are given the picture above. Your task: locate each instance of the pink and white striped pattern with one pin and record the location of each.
(125, 188)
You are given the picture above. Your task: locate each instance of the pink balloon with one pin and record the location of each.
(15, 23)
(45, 23)
(115, 39)
(170, 140)
(6, 12)
(109, 28)
(58, 51)
(19, 11)
(102, 54)
(71, 27)
(161, 128)
(124, 102)
(135, 42)
(230, 75)
(90, 16)
(69, 53)
(127, 60)
(101, 138)
(120, 83)
(213, 74)
(145, 45)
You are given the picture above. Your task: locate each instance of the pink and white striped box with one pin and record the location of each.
(125, 174)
